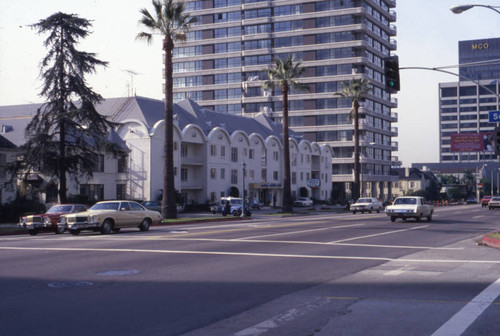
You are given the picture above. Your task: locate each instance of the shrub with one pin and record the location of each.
(21, 206)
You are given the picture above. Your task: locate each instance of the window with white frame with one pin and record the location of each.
(234, 176)
(184, 151)
(234, 154)
(184, 174)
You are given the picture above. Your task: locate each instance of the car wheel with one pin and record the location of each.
(429, 218)
(60, 230)
(370, 211)
(74, 232)
(404, 219)
(378, 210)
(213, 212)
(490, 208)
(419, 218)
(106, 227)
(145, 225)
(354, 212)
(32, 232)
(393, 218)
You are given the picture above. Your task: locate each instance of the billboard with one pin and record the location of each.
(472, 142)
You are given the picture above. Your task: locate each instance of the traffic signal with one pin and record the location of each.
(392, 73)
(497, 140)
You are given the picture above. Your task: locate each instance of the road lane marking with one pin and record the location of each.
(478, 216)
(232, 240)
(286, 317)
(302, 231)
(468, 314)
(353, 298)
(252, 254)
(379, 234)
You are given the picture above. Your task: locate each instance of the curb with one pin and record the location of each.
(492, 242)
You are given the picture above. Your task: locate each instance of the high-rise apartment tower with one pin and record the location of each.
(220, 67)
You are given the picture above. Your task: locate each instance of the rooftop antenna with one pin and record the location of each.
(131, 91)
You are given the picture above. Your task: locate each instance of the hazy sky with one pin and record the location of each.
(428, 35)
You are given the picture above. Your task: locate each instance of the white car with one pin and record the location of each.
(367, 204)
(303, 201)
(409, 207)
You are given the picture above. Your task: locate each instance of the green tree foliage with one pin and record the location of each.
(284, 74)
(356, 90)
(66, 132)
(469, 180)
(170, 20)
(448, 179)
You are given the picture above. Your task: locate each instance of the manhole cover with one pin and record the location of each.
(119, 272)
(70, 284)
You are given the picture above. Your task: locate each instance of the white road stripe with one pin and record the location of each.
(468, 314)
(302, 231)
(478, 216)
(379, 234)
(250, 254)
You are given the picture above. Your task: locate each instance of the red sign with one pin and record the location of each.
(472, 142)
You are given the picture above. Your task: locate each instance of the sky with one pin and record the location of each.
(427, 36)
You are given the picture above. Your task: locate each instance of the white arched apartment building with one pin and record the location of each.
(211, 152)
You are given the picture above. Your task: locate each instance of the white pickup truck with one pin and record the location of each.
(409, 207)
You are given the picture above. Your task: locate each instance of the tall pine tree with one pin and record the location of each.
(67, 132)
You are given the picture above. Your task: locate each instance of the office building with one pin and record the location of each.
(220, 67)
(465, 131)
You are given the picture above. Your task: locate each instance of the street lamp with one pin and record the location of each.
(463, 8)
(244, 164)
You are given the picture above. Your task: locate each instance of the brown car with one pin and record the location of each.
(48, 221)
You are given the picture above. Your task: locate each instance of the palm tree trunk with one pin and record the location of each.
(287, 197)
(355, 185)
(169, 208)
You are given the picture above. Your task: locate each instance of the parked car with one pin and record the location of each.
(303, 202)
(494, 202)
(485, 200)
(230, 205)
(48, 221)
(471, 200)
(254, 204)
(152, 205)
(368, 204)
(409, 207)
(110, 216)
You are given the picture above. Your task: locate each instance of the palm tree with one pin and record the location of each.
(172, 22)
(284, 74)
(355, 89)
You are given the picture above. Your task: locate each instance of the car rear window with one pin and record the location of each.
(405, 201)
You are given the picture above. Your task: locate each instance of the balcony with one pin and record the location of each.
(393, 30)
(394, 45)
(394, 146)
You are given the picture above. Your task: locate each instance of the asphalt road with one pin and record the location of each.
(330, 274)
